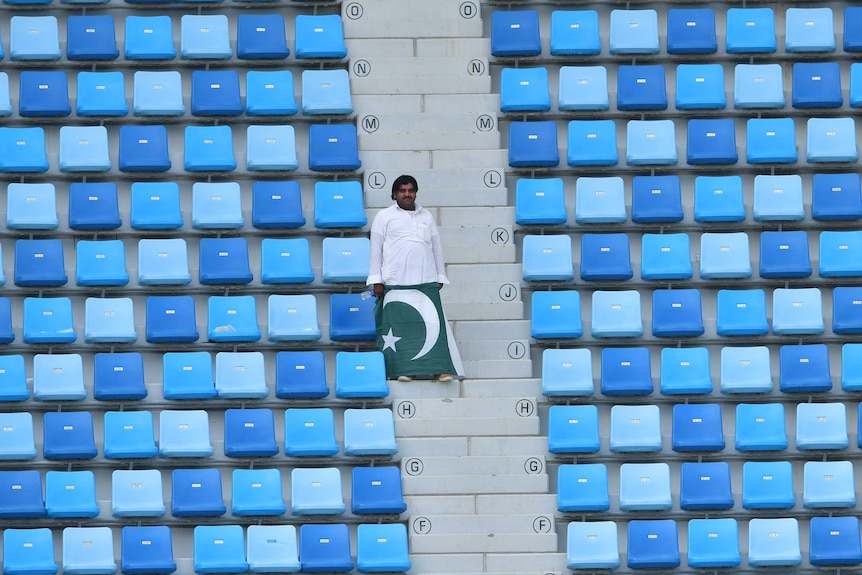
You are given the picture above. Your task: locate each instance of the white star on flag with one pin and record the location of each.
(389, 341)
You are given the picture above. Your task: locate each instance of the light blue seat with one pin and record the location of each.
(592, 545)
(232, 319)
(272, 549)
(163, 262)
(750, 31)
(821, 426)
(592, 143)
(327, 92)
(773, 542)
(319, 36)
(309, 432)
(129, 435)
(369, 432)
(360, 374)
(745, 370)
(767, 485)
(118, 376)
(316, 491)
(685, 371)
(817, 85)
(188, 375)
(635, 429)
(147, 549)
(29, 551)
(656, 199)
(333, 147)
(523, 90)
(34, 38)
(270, 93)
(567, 372)
(5, 96)
(582, 487)
(784, 254)
(645, 487)
(711, 141)
(573, 429)
(741, 312)
(137, 493)
(382, 547)
(209, 149)
(836, 197)
(758, 86)
(58, 377)
(48, 320)
(109, 320)
(834, 541)
(828, 484)
(13, 379)
(158, 93)
(691, 31)
(533, 144)
(705, 486)
(88, 551)
(345, 260)
(809, 30)
(91, 37)
(224, 261)
(219, 549)
(797, 311)
(582, 88)
(556, 314)
(205, 37)
(713, 543)
(377, 490)
(23, 150)
(665, 257)
(724, 255)
(634, 32)
(651, 143)
(653, 544)
(240, 375)
(339, 205)
(677, 313)
(149, 38)
(17, 442)
(540, 201)
(249, 433)
(847, 310)
(171, 319)
(625, 371)
(68, 435)
(184, 433)
(770, 141)
(832, 140)
(718, 199)
(515, 33)
(700, 87)
(31, 207)
(600, 200)
(778, 198)
(547, 258)
(261, 36)
(760, 427)
(155, 206)
(292, 318)
(285, 260)
(605, 257)
(94, 206)
(216, 205)
(84, 149)
(616, 314)
(271, 148)
(851, 362)
(575, 32)
(856, 85)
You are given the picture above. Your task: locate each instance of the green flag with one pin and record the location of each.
(412, 331)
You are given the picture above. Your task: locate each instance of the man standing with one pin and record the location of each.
(406, 276)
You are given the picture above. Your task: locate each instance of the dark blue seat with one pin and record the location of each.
(697, 427)
(847, 310)
(224, 261)
(23, 497)
(276, 204)
(119, 376)
(333, 147)
(249, 433)
(533, 145)
(677, 313)
(171, 319)
(656, 199)
(853, 29)
(94, 206)
(605, 257)
(626, 371)
(91, 37)
(816, 85)
(784, 254)
(144, 149)
(351, 318)
(515, 33)
(804, 368)
(300, 375)
(197, 493)
(261, 36)
(325, 548)
(653, 544)
(39, 263)
(691, 31)
(43, 93)
(705, 486)
(146, 550)
(68, 435)
(836, 197)
(216, 93)
(711, 141)
(641, 87)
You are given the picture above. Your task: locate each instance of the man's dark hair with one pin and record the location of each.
(403, 180)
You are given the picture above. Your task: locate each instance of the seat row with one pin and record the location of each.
(214, 93)
(248, 433)
(120, 377)
(144, 148)
(654, 142)
(92, 37)
(697, 87)
(717, 199)
(697, 428)
(517, 33)
(687, 371)
(713, 543)
(217, 549)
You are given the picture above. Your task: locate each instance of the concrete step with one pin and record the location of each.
(479, 292)
(476, 103)
(427, 564)
(475, 484)
(379, 47)
(421, 389)
(491, 446)
(419, 75)
(387, 104)
(467, 417)
(436, 446)
(385, 140)
(474, 311)
(544, 505)
(424, 122)
(452, 46)
(485, 468)
(407, 160)
(477, 216)
(488, 542)
(442, 18)
(465, 330)
(450, 505)
(503, 273)
(528, 387)
(453, 159)
(498, 369)
(544, 563)
(489, 524)
(434, 181)
(494, 349)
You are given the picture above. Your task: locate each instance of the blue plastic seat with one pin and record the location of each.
(828, 484)
(88, 551)
(797, 311)
(205, 37)
(741, 312)
(705, 486)
(68, 435)
(319, 37)
(94, 206)
(31, 207)
(17, 443)
(309, 432)
(219, 549)
(816, 85)
(724, 255)
(575, 32)
(677, 313)
(163, 262)
(119, 376)
(653, 544)
(101, 263)
(292, 318)
(147, 549)
(48, 320)
(184, 433)
(316, 491)
(616, 314)
(158, 93)
(188, 375)
(592, 143)
(515, 33)
(547, 258)
(382, 547)
(43, 93)
(171, 319)
(333, 147)
(149, 38)
(215, 93)
(821, 426)
(249, 432)
(784, 254)
(325, 548)
(144, 149)
(276, 205)
(232, 319)
(685, 371)
(600, 200)
(270, 93)
(691, 31)
(770, 141)
(847, 310)
(533, 144)
(137, 493)
(34, 38)
(300, 375)
(583, 88)
(855, 85)
(58, 377)
(155, 206)
(351, 318)
(745, 370)
(240, 375)
(804, 368)
(567, 372)
(360, 374)
(582, 487)
(256, 492)
(831, 140)
(645, 487)
(852, 36)
(656, 199)
(634, 32)
(750, 31)
(91, 37)
(760, 427)
(809, 30)
(635, 429)
(767, 485)
(109, 320)
(376, 490)
(665, 257)
(836, 197)
(261, 36)
(23, 150)
(70, 494)
(224, 261)
(641, 87)
(84, 149)
(101, 94)
(28, 551)
(851, 360)
(24, 495)
(5, 95)
(540, 201)
(573, 429)
(713, 543)
(605, 257)
(834, 541)
(758, 86)
(521, 90)
(339, 205)
(556, 314)
(13, 378)
(271, 148)
(773, 542)
(711, 141)
(700, 87)
(718, 199)
(697, 428)
(369, 432)
(327, 92)
(129, 435)
(592, 545)
(216, 205)
(272, 548)
(7, 334)
(208, 149)
(285, 260)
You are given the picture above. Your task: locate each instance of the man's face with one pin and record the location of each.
(405, 197)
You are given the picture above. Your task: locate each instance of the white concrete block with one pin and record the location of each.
(479, 292)
(451, 504)
(375, 19)
(474, 311)
(468, 408)
(436, 446)
(417, 83)
(478, 350)
(465, 330)
(502, 387)
(527, 562)
(478, 103)
(499, 446)
(444, 197)
(382, 140)
(498, 369)
(466, 427)
(503, 273)
(379, 47)
(483, 466)
(447, 563)
(483, 255)
(516, 503)
(478, 216)
(419, 389)
(436, 123)
(407, 161)
(452, 46)
(492, 543)
(490, 524)
(383, 9)
(484, 236)
(382, 104)
(433, 181)
(475, 484)
(496, 159)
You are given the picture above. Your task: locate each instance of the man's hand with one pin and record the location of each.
(378, 290)
(440, 286)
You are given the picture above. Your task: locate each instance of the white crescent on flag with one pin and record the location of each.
(426, 308)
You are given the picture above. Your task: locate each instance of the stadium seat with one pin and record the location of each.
(325, 548)
(641, 87)
(184, 433)
(351, 318)
(556, 314)
(851, 360)
(797, 311)
(592, 545)
(24, 495)
(158, 93)
(34, 38)
(360, 374)
(605, 257)
(91, 37)
(855, 85)
(205, 37)
(285, 260)
(68, 435)
(773, 542)
(665, 257)
(847, 310)
(147, 549)
(582, 487)
(171, 319)
(163, 262)
(705, 486)
(276, 205)
(656, 199)
(88, 551)
(836, 197)
(750, 31)
(852, 37)
(685, 371)
(149, 38)
(700, 87)
(271, 148)
(634, 32)
(575, 32)
(567, 372)
(718, 199)
(224, 261)
(101, 94)
(540, 201)
(547, 258)
(697, 428)
(232, 319)
(209, 149)
(240, 375)
(216, 205)
(677, 313)
(635, 429)
(376, 490)
(300, 375)
(600, 200)
(137, 493)
(5, 95)
(741, 312)
(94, 206)
(760, 427)
(369, 432)
(129, 435)
(784, 254)
(272, 548)
(188, 375)
(155, 206)
(770, 141)
(758, 86)
(573, 429)
(270, 93)
(249, 432)
(109, 320)
(533, 144)
(591, 143)
(316, 491)
(828, 484)
(711, 141)
(319, 37)
(778, 198)
(261, 36)
(745, 370)
(645, 487)
(48, 320)
(31, 206)
(339, 205)
(653, 544)
(309, 432)
(144, 149)
(521, 90)
(582, 88)
(821, 426)
(333, 147)
(118, 376)
(58, 377)
(327, 92)
(84, 149)
(7, 334)
(713, 543)
(724, 255)
(691, 31)
(809, 30)
(816, 85)
(292, 318)
(219, 549)
(28, 551)
(831, 140)
(13, 379)
(616, 314)
(23, 150)
(834, 541)
(767, 485)
(515, 33)
(17, 443)
(43, 93)
(382, 547)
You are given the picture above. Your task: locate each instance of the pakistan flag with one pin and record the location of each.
(413, 333)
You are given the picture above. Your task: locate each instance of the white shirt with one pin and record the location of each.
(405, 248)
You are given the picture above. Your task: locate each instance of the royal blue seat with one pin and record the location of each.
(809, 30)
(224, 261)
(163, 262)
(376, 490)
(144, 149)
(582, 487)
(758, 86)
(851, 360)
(276, 204)
(158, 93)
(70, 494)
(94, 206)
(816, 85)
(591, 143)
(285, 260)
(713, 543)
(84, 149)
(149, 38)
(784, 254)
(773, 542)
(515, 33)
(724, 255)
(711, 141)
(797, 311)
(68, 435)
(325, 548)
(641, 87)
(540, 201)
(109, 320)
(741, 312)
(600, 200)
(616, 314)
(718, 199)
(677, 313)
(745, 370)
(316, 491)
(240, 375)
(216, 205)
(219, 549)
(836, 197)
(685, 371)
(556, 314)
(48, 320)
(171, 319)
(705, 486)
(656, 199)
(28, 551)
(188, 375)
(91, 37)
(626, 371)
(215, 93)
(547, 258)
(351, 318)
(300, 375)
(184, 433)
(697, 427)
(834, 541)
(269, 93)
(23, 150)
(146, 550)
(567, 372)
(327, 92)
(634, 32)
(205, 37)
(43, 93)
(770, 141)
(605, 257)
(575, 32)
(828, 484)
(645, 487)
(592, 545)
(34, 38)
(852, 30)
(767, 485)
(261, 36)
(821, 426)
(319, 37)
(292, 318)
(750, 31)
(209, 149)
(17, 442)
(573, 429)
(129, 435)
(31, 207)
(847, 310)
(700, 87)
(583, 88)
(333, 147)
(831, 140)
(23, 498)
(691, 31)
(360, 374)
(232, 319)
(653, 544)
(249, 432)
(7, 334)
(533, 144)
(256, 492)
(665, 256)
(521, 90)
(272, 548)
(760, 427)
(101, 94)
(339, 205)
(155, 206)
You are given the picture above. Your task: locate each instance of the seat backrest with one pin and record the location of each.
(109, 320)
(158, 93)
(196, 493)
(665, 256)
(745, 369)
(600, 200)
(147, 548)
(261, 36)
(184, 433)
(68, 435)
(369, 431)
(616, 314)
(292, 318)
(316, 491)
(34, 38)
(216, 205)
(382, 546)
(219, 549)
(705, 485)
(547, 257)
(137, 493)
(149, 38)
(309, 432)
(575, 32)
(556, 314)
(691, 31)
(741, 312)
(325, 547)
(697, 428)
(129, 434)
(209, 149)
(58, 377)
(645, 487)
(88, 550)
(376, 490)
(39, 263)
(326, 92)
(205, 36)
(524, 90)
(573, 429)
(94, 206)
(750, 30)
(319, 36)
(300, 374)
(144, 149)
(333, 147)
(760, 427)
(540, 201)
(360, 374)
(285, 260)
(232, 318)
(700, 87)
(188, 375)
(351, 318)
(605, 257)
(71, 494)
(48, 320)
(634, 32)
(271, 148)
(583, 88)
(155, 206)
(84, 149)
(171, 319)
(685, 371)
(272, 547)
(18, 442)
(346, 260)
(567, 372)
(724, 255)
(515, 33)
(635, 428)
(240, 375)
(224, 261)
(215, 93)
(29, 550)
(31, 207)
(270, 93)
(339, 205)
(163, 262)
